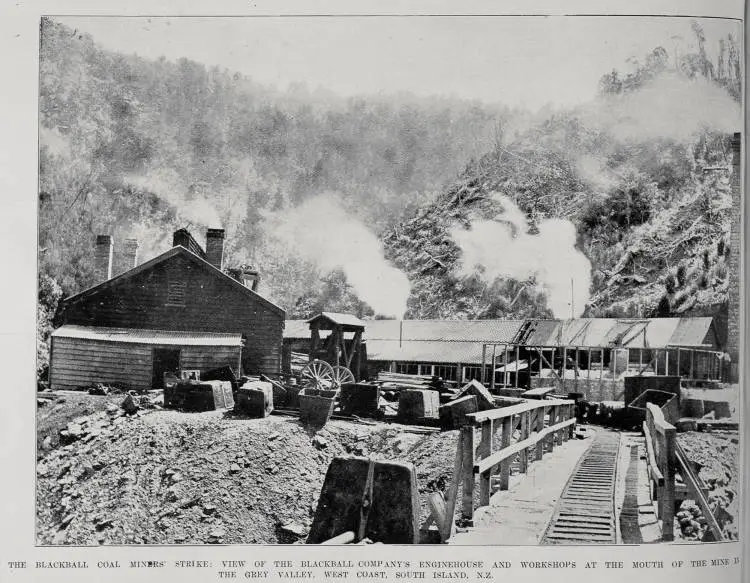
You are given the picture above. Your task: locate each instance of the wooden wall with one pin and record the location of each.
(77, 363)
(211, 304)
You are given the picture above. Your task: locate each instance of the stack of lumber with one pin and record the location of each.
(393, 381)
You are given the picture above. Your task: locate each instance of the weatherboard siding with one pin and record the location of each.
(211, 304)
(77, 363)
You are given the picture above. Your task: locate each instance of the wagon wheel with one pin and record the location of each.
(341, 375)
(318, 373)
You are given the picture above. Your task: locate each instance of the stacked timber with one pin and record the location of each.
(397, 381)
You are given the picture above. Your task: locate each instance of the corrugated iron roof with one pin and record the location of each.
(444, 330)
(602, 332)
(140, 336)
(658, 333)
(425, 351)
(583, 332)
(691, 332)
(296, 329)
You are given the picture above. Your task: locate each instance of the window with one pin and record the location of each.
(406, 368)
(445, 372)
(176, 293)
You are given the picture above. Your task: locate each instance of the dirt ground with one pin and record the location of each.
(162, 477)
(716, 454)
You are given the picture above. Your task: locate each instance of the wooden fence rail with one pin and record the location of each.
(660, 449)
(541, 425)
(665, 459)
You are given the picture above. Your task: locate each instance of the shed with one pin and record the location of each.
(82, 356)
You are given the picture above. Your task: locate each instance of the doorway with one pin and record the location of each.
(164, 360)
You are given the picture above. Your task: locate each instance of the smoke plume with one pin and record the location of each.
(670, 106)
(502, 247)
(167, 185)
(322, 232)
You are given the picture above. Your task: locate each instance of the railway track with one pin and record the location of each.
(585, 513)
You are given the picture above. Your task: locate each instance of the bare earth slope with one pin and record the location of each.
(169, 477)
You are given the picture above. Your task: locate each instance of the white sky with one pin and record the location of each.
(519, 61)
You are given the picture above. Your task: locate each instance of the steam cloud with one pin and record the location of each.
(322, 232)
(670, 106)
(167, 186)
(504, 249)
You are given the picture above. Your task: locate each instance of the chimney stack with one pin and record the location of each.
(215, 247)
(183, 238)
(103, 258)
(734, 267)
(130, 254)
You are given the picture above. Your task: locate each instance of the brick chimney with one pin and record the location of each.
(183, 238)
(130, 254)
(103, 258)
(215, 247)
(735, 260)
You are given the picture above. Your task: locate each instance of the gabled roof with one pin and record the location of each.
(164, 257)
(340, 319)
(143, 336)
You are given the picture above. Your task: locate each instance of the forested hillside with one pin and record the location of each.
(136, 146)
(643, 175)
(634, 183)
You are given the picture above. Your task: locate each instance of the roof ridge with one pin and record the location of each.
(177, 250)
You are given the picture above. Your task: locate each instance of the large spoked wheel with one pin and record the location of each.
(318, 373)
(341, 375)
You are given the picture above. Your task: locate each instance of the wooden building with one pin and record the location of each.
(176, 310)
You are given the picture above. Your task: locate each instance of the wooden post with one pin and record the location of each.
(485, 450)
(692, 361)
(588, 378)
(492, 368)
(668, 493)
(541, 354)
(484, 364)
(518, 356)
(523, 456)
(539, 427)
(467, 495)
(507, 430)
(666, 361)
(679, 371)
(505, 366)
(450, 508)
(314, 340)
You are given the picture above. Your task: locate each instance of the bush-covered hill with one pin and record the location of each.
(134, 147)
(137, 148)
(643, 174)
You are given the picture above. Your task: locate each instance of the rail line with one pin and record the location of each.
(585, 513)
